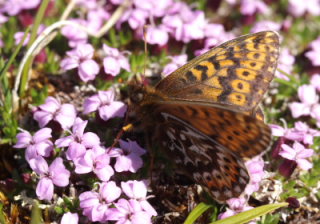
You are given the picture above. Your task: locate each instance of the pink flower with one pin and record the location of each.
(215, 34)
(313, 54)
(128, 158)
(297, 153)
(138, 190)
(56, 174)
(291, 134)
(70, 218)
(315, 81)
(298, 8)
(3, 19)
(157, 35)
(236, 205)
(74, 34)
(249, 7)
(19, 35)
(309, 102)
(13, 7)
(88, 4)
(96, 205)
(176, 62)
(141, 10)
(114, 61)
(78, 141)
(185, 25)
(286, 61)
(96, 17)
(81, 58)
(136, 17)
(96, 160)
(129, 212)
(154, 7)
(52, 109)
(105, 103)
(256, 172)
(36, 145)
(265, 25)
(307, 133)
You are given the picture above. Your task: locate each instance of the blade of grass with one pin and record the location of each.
(36, 216)
(38, 19)
(197, 212)
(247, 216)
(13, 56)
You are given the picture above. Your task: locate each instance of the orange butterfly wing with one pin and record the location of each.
(235, 74)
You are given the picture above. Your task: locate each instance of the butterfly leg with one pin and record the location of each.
(152, 156)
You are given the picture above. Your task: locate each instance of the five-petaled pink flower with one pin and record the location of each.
(96, 205)
(81, 57)
(138, 190)
(105, 103)
(114, 61)
(55, 174)
(309, 103)
(95, 160)
(129, 212)
(52, 109)
(78, 141)
(128, 156)
(36, 145)
(297, 153)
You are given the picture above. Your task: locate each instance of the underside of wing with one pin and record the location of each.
(236, 73)
(219, 170)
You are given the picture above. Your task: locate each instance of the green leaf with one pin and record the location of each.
(2, 216)
(13, 56)
(270, 219)
(247, 216)
(197, 212)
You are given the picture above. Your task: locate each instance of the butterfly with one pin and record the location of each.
(206, 116)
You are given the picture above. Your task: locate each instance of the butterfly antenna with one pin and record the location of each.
(125, 128)
(145, 51)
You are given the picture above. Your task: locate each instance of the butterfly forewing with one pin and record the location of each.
(235, 74)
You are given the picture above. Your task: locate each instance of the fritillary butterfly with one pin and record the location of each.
(206, 114)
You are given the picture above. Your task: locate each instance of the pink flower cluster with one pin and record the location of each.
(293, 144)
(309, 101)
(81, 57)
(313, 54)
(84, 151)
(13, 7)
(299, 8)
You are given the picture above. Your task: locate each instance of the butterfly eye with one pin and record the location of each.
(137, 97)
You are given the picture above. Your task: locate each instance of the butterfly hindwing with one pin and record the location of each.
(220, 171)
(235, 74)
